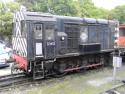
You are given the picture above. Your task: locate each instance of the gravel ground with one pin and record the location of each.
(88, 82)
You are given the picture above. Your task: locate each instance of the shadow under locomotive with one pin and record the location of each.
(46, 44)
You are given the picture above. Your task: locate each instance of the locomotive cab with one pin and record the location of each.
(33, 39)
(38, 31)
(43, 38)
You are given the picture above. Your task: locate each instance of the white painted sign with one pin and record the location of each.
(83, 37)
(39, 49)
(117, 61)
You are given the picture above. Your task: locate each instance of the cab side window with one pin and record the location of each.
(38, 31)
(49, 32)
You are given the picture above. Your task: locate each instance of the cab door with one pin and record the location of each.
(38, 39)
(44, 40)
(49, 40)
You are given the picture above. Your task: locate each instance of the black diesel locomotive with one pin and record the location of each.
(46, 44)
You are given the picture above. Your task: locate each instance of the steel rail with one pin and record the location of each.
(113, 89)
(9, 80)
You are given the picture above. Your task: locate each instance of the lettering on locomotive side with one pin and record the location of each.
(50, 43)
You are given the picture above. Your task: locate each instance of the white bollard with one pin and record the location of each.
(117, 63)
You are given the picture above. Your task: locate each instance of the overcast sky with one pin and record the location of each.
(108, 4)
(5, 0)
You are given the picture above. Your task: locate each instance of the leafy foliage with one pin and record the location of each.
(119, 13)
(81, 8)
(88, 9)
(6, 16)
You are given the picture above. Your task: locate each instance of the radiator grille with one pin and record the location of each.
(72, 31)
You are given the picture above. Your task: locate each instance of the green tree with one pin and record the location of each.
(88, 9)
(60, 7)
(118, 13)
(82, 8)
(6, 16)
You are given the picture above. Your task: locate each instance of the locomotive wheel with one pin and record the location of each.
(58, 74)
(59, 69)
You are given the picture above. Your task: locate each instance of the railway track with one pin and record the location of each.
(5, 77)
(25, 83)
(118, 89)
(9, 81)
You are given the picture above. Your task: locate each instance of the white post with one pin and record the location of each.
(114, 68)
(114, 74)
(117, 63)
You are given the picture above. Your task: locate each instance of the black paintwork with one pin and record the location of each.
(99, 32)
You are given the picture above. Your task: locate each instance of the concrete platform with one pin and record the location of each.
(5, 71)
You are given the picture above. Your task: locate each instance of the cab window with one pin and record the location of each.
(122, 32)
(38, 31)
(49, 32)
